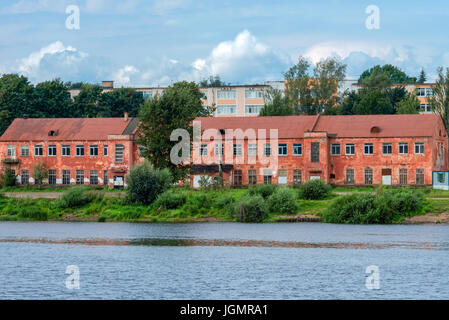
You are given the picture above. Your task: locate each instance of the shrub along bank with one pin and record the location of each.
(265, 203)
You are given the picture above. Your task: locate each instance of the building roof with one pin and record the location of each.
(363, 126)
(67, 129)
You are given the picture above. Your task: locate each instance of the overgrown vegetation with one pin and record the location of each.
(314, 190)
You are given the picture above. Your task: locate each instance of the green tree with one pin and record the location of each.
(16, 95)
(408, 105)
(115, 103)
(348, 107)
(176, 109)
(395, 95)
(86, 103)
(51, 100)
(7, 178)
(376, 80)
(275, 104)
(298, 91)
(40, 172)
(439, 102)
(374, 102)
(213, 81)
(328, 74)
(394, 74)
(422, 77)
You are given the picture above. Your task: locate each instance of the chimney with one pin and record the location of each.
(126, 116)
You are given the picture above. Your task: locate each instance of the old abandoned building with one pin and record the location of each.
(341, 150)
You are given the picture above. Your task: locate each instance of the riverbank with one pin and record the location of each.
(190, 206)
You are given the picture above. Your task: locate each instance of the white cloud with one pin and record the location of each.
(123, 76)
(30, 6)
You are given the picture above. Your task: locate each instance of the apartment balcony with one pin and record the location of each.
(11, 160)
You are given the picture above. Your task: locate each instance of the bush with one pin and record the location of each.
(224, 202)
(33, 213)
(250, 208)
(265, 190)
(7, 178)
(384, 208)
(170, 200)
(75, 197)
(145, 183)
(283, 200)
(314, 190)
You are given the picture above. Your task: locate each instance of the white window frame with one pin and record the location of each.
(252, 149)
(391, 147)
(420, 146)
(284, 147)
(402, 144)
(64, 149)
(333, 151)
(50, 148)
(203, 150)
(298, 146)
(350, 146)
(368, 144)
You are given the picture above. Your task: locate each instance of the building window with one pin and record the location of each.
(282, 177)
(24, 151)
(147, 94)
(297, 177)
(105, 150)
(420, 176)
(424, 92)
(237, 179)
(93, 150)
(297, 149)
(25, 177)
(65, 150)
(79, 176)
(349, 176)
(387, 148)
(403, 147)
(282, 149)
(11, 151)
(38, 150)
(267, 149)
(349, 149)
(51, 176)
(105, 177)
(425, 107)
(315, 152)
(65, 176)
(79, 151)
(267, 176)
(226, 109)
(368, 148)
(403, 177)
(237, 149)
(119, 150)
(335, 149)
(203, 150)
(226, 94)
(254, 94)
(93, 177)
(219, 149)
(252, 150)
(252, 177)
(368, 176)
(419, 148)
(52, 150)
(253, 109)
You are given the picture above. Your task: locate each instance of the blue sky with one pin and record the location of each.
(150, 43)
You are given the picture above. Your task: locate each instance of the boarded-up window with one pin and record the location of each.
(252, 177)
(237, 180)
(403, 177)
(297, 177)
(282, 177)
(349, 176)
(368, 176)
(386, 172)
(119, 148)
(420, 176)
(315, 152)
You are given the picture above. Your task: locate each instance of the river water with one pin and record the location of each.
(223, 261)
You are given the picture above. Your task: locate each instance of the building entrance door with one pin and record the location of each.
(386, 176)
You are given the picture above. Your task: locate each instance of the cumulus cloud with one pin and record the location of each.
(123, 75)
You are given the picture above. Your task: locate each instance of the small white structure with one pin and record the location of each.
(440, 180)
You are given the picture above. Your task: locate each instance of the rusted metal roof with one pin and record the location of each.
(407, 125)
(67, 129)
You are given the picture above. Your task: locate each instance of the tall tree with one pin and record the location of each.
(374, 102)
(439, 102)
(51, 100)
(297, 87)
(328, 74)
(213, 81)
(408, 105)
(422, 77)
(86, 102)
(176, 109)
(115, 103)
(393, 73)
(275, 104)
(16, 95)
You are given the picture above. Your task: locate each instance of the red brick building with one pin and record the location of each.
(352, 150)
(75, 151)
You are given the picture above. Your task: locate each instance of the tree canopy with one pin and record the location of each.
(393, 73)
